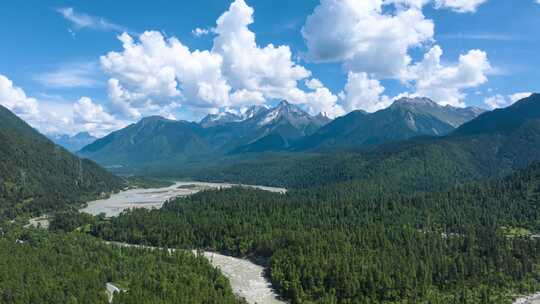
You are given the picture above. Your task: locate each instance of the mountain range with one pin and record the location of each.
(285, 127)
(159, 139)
(404, 119)
(73, 143)
(493, 144)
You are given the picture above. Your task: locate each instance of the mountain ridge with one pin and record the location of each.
(156, 138)
(404, 119)
(284, 127)
(480, 149)
(38, 176)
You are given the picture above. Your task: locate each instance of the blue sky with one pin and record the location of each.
(57, 68)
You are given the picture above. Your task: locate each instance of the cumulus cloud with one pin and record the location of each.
(269, 69)
(246, 97)
(15, 99)
(445, 83)
(58, 116)
(91, 117)
(373, 40)
(500, 101)
(364, 93)
(365, 36)
(82, 20)
(322, 100)
(314, 83)
(156, 71)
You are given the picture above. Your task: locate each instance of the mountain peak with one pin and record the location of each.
(253, 111)
(414, 101)
(153, 118)
(72, 142)
(82, 134)
(322, 115)
(286, 110)
(220, 118)
(283, 103)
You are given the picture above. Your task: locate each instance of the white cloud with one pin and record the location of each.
(500, 101)
(54, 115)
(364, 93)
(460, 6)
(15, 99)
(373, 38)
(496, 101)
(91, 117)
(71, 75)
(86, 111)
(321, 100)
(445, 83)
(366, 36)
(81, 20)
(157, 71)
(314, 83)
(120, 99)
(269, 70)
(245, 97)
(518, 96)
(198, 32)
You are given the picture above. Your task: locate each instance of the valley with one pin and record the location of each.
(332, 226)
(270, 152)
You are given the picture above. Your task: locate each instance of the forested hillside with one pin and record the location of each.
(473, 244)
(38, 267)
(479, 149)
(38, 176)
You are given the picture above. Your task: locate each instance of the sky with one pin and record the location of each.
(97, 66)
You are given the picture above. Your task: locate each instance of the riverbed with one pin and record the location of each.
(531, 299)
(156, 197)
(246, 278)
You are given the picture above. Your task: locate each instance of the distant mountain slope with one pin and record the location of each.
(276, 128)
(151, 139)
(159, 140)
(38, 176)
(223, 118)
(404, 119)
(73, 143)
(494, 144)
(504, 120)
(212, 120)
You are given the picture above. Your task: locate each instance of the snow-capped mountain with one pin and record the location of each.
(212, 120)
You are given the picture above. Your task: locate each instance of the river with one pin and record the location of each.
(155, 197)
(246, 278)
(531, 299)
